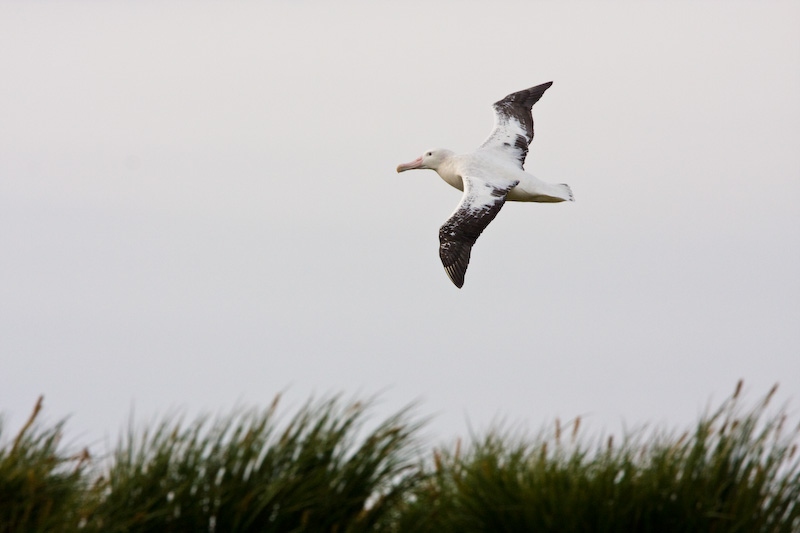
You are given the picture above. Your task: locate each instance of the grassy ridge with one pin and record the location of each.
(322, 470)
(735, 472)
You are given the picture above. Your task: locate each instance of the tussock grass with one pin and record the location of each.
(41, 486)
(737, 471)
(247, 472)
(322, 469)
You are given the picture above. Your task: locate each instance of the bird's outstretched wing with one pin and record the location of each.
(479, 205)
(513, 123)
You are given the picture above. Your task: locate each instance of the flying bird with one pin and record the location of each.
(489, 176)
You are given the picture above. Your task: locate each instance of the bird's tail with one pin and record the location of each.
(567, 192)
(552, 193)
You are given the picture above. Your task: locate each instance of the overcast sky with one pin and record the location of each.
(199, 208)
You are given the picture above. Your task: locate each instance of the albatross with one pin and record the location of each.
(489, 176)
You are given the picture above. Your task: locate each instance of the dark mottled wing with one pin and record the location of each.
(513, 124)
(479, 205)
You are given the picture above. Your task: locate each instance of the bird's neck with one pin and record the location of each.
(449, 173)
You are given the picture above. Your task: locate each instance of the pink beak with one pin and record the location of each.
(409, 166)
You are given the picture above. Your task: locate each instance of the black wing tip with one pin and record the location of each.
(525, 97)
(455, 262)
(539, 89)
(458, 279)
(456, 276)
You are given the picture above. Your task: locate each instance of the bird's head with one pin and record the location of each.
(430, 159)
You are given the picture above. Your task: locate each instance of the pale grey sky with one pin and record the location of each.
(198, 208)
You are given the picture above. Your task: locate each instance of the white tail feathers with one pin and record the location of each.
(550, 193)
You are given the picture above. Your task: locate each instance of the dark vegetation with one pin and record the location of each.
(325, 468)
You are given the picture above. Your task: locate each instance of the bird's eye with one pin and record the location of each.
(429, 154)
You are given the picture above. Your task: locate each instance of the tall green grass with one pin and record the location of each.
(41, 486)
(323, 468)
(737, 471)
(248, 472)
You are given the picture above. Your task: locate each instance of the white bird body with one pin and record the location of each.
(489, 176)
(484, 163)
